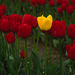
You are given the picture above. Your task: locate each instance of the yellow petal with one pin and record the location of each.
(47, 23)
(50, 17)
(40, 21)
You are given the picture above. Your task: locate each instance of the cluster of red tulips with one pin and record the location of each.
(22, 25)
(14, 26)
(65, 6)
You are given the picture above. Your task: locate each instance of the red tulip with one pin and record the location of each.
(71, 31)
(5, 25)
(23, 0)
(58, 28)
(70, 9)
(60, 10)
(52, 2)
(43, 2)
(4, 17)
(14, 26)
(34, 22)
(10, 38)
(16, 18)
(58, 2)
(22, 54)
(24, 31)
(71, 51)
(64, 4)
(2, 9)
(73, 2)
(27, 19)
(34, 2)
(29, 1)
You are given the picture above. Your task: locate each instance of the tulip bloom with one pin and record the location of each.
(22, 0)
(22, 54)
(5, 25)
(60, 10)
(4, 17)
(52, 2)
(64, 4)
(71, 31)
(71, 51)
(10, 38)
(73, 2)
(24, 31)
(34, 22)
(27, 19)
(58, 2)
(15, 18)
(45, 23)
(70, 9)
(58, 28)
(2, 9)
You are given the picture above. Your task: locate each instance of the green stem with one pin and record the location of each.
(18, 44)
(3, 44)
(60, 51)
(16, 6)
(45, 54)
(8, 60)
(50, 51)
(25, 56)
(34, 39)
(49, 8)
(37, 42)
(25, 49)
(12, 7)
(72, 67)
(16, 41)
(14, 55)
(69, 68)
(34, 11)
(7, 51)
(64, 15)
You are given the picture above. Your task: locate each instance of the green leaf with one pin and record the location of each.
(36, 63)
(55, 43)
(64, 64)
(35, 59)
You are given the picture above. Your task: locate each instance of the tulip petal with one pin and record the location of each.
(50, 17)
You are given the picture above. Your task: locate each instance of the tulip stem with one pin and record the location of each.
(60, 51)
(34, 39)
(37, 42)
(7, 51)
(64, 16)
(16, 41)
(3, 44)
(50, 52)
(34, 11)
(8, 61)
(72, 67)
(12, 7)
(69, 67)
(45, 54)
(25, 49)
(25, 55)
(14, 55)
(18, 44)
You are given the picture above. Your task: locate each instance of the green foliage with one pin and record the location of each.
(73, 18)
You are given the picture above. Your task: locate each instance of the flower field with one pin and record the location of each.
(37, 37)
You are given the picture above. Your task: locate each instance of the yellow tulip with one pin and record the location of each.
(45, 23)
